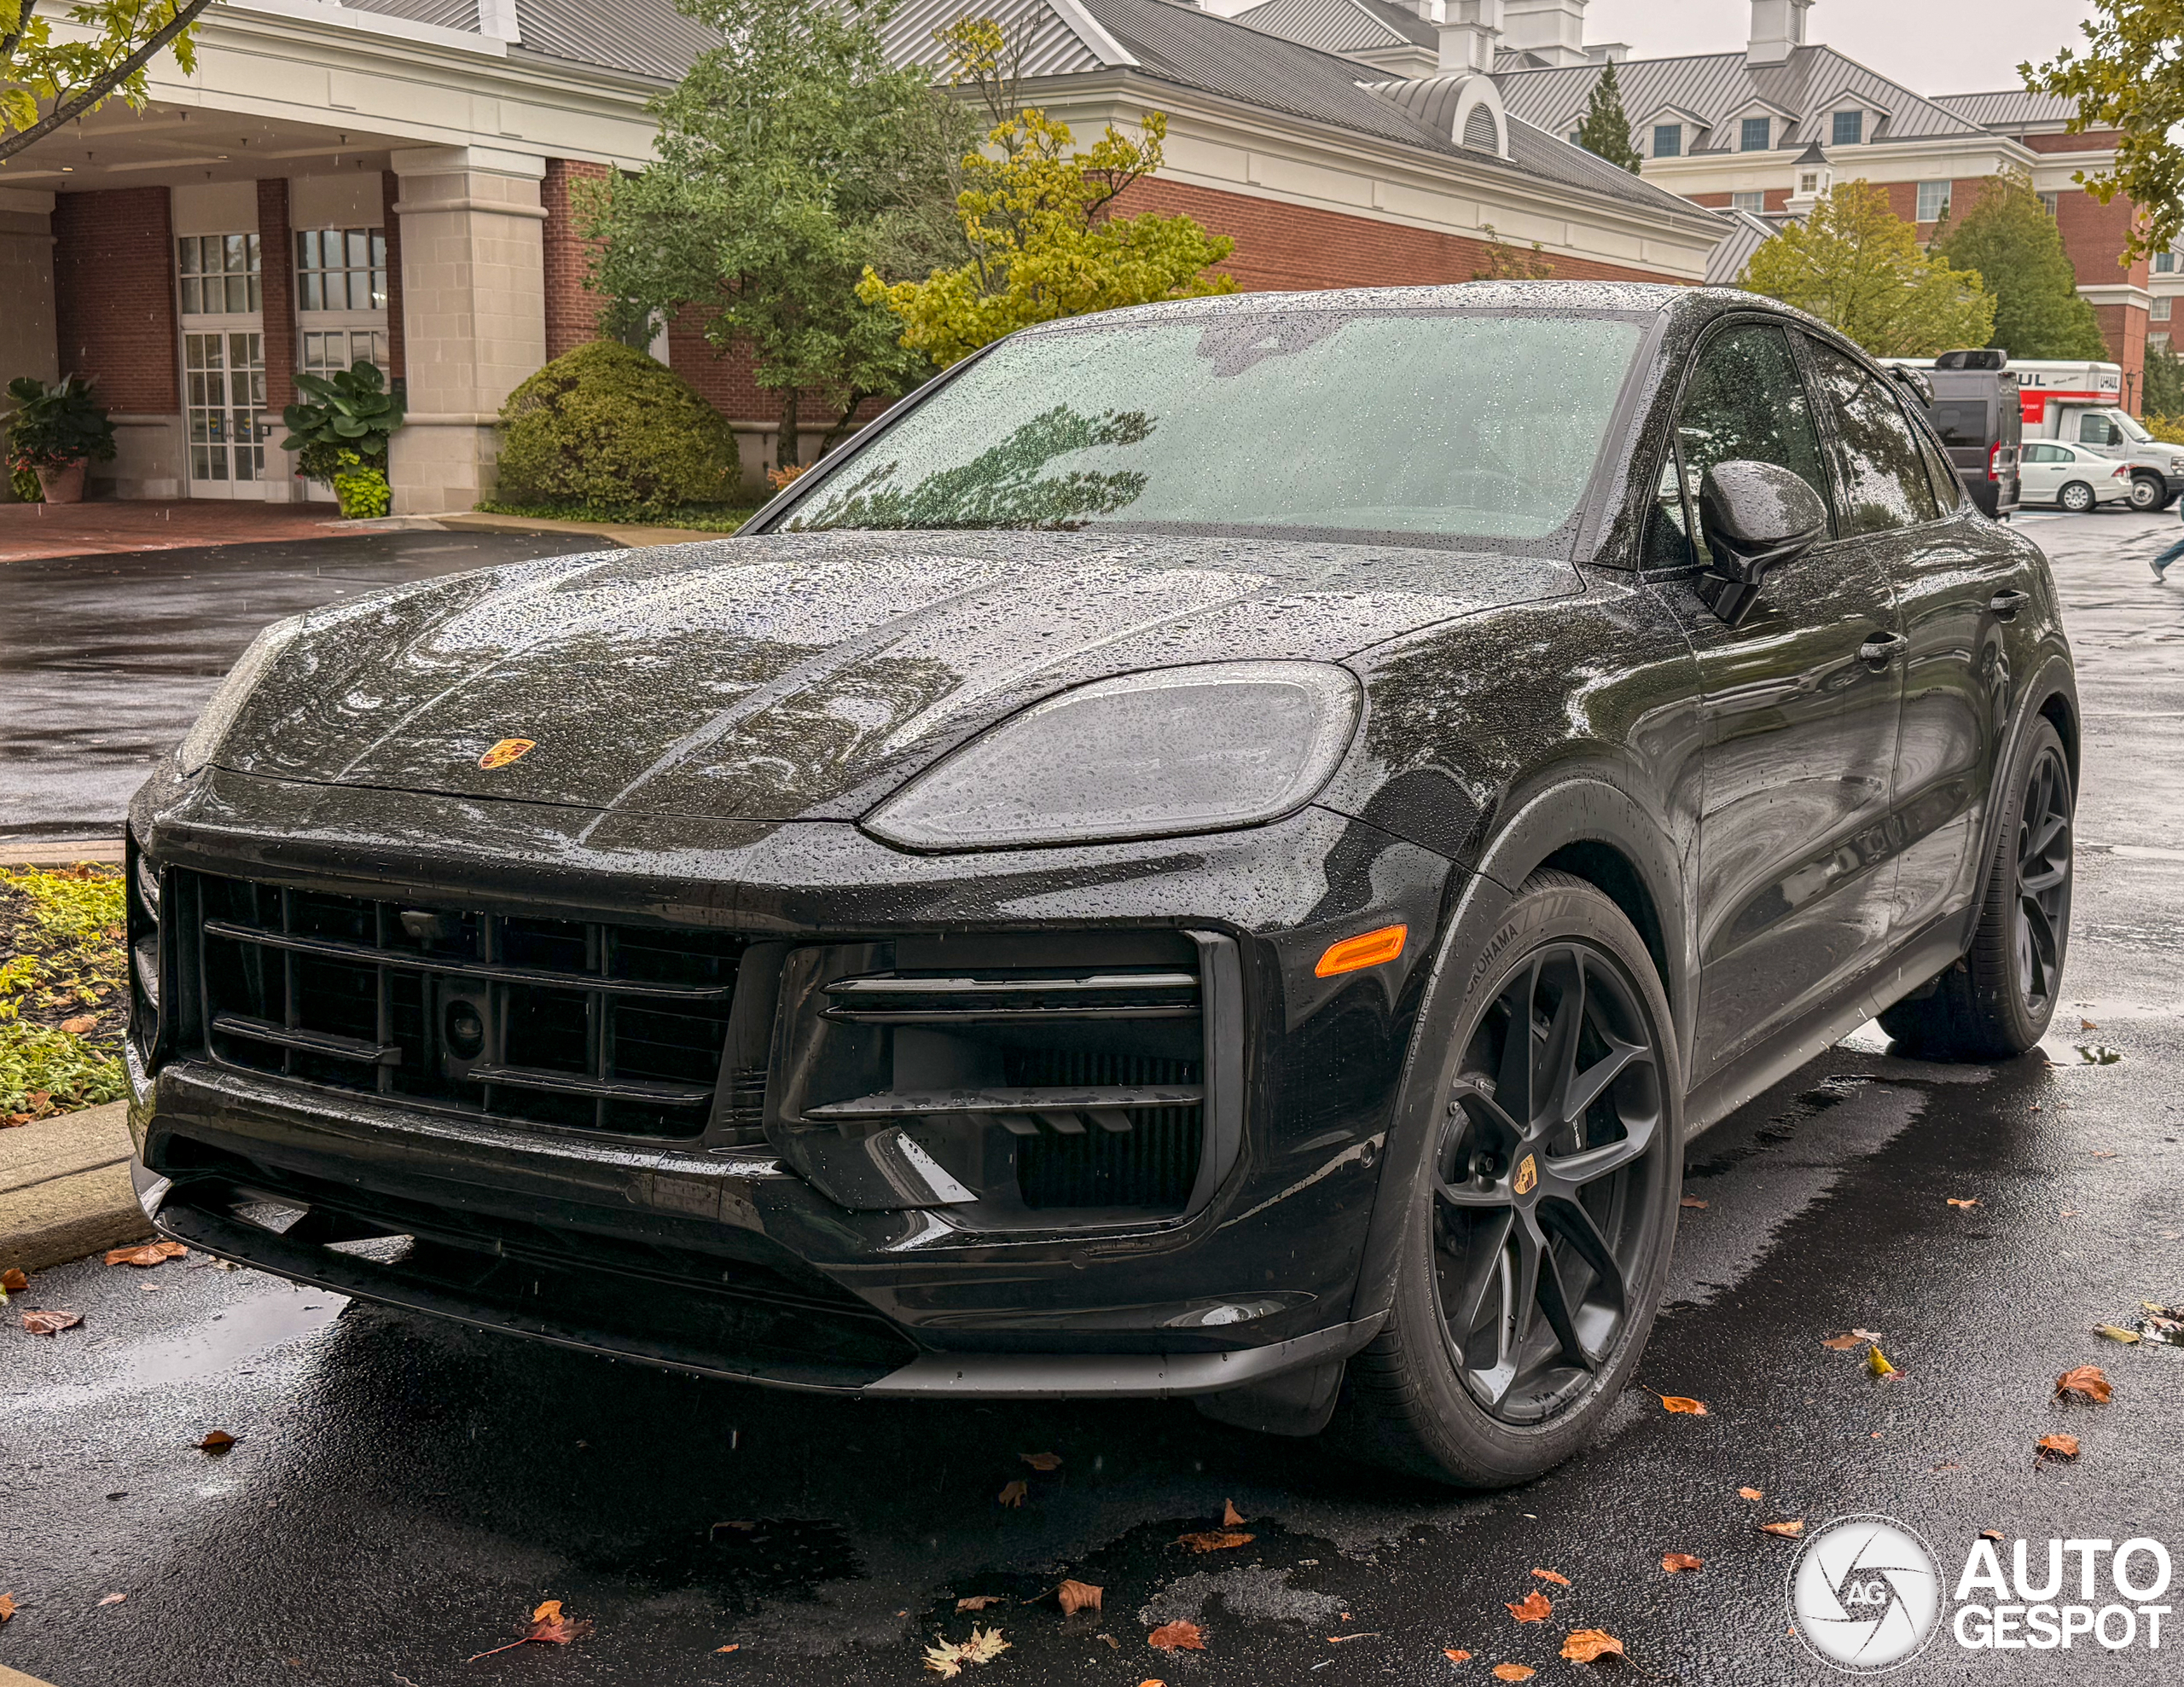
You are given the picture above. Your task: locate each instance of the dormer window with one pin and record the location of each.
(1758, 135)
(1809, 181)
(1849, 129)
(1668, 140)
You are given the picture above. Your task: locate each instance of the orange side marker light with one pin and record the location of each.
(1352, 954)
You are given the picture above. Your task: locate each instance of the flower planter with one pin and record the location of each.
(62, 485)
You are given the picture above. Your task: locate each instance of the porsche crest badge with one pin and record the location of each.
(1527, 1175)
(507, 750)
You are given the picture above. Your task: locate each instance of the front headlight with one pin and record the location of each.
(1178, 750)
(203, 742)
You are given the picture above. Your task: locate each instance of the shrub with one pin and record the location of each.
(350, 412)
(64, 971)
(56, 423)
(361, 488)
(607, 428)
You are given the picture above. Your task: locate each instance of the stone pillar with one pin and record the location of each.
(473, 314)
(28, 343)
(277, 294)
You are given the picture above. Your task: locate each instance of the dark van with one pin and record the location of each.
(1976, 410)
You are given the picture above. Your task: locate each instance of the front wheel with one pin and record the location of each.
(2076, 498)
(2148, 493)
(1998, 1000)
(1541, 1224)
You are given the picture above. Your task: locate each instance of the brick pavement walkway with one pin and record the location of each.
(98, 529)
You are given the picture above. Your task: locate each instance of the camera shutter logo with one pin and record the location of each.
(1866, 1594)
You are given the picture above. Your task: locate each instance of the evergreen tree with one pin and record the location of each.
(1606, 131)
(2164, 384)
(2010, 240)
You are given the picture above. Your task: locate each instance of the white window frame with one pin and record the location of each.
(1748, 201)
(1933, 201)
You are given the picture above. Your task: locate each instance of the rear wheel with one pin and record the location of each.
(1998, 1000)
(2149, 492)
(2076, 498)
(1540, 1224)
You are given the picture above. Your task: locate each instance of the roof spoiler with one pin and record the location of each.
(1986, 357)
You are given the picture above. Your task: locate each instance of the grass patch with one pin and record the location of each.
(703, 518)
(64, 991)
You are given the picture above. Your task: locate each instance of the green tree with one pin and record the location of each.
(2130, 79)
(1037, 218)
(74, 78)
(1605, 130)
(1856, 266)
(790, 158)
(2164, 385)
(2010, 241)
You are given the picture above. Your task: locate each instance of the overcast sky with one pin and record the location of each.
(1929, 46)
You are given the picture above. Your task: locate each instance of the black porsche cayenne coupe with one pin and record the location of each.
(1220, 849)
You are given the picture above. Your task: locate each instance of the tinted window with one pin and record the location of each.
(1745, 400)
(1297, 421)
(1948, 489)
(1960, 421)
(1879, 471)
(2098, 430)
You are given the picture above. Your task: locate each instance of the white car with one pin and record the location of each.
(2070, 477)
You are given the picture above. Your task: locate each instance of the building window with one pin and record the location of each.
(2159, 309)
(329, 352)
(227, 390)
(1809, 181)
(2164, 262)
(341, 269)
(2160, 340)
(219, 274)
(1758, 135)
(2051, 201)
(1849, 128)
(1933, 200)
(1668, 140)
(1747, 202)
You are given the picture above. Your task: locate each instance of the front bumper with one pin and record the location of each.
(722, 1259)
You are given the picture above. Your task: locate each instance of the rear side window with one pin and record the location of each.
(1948, 489)
(1961, 421)
(1880, 471)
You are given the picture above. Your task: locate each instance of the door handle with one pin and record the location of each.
(2006, 604)
(1878, 651)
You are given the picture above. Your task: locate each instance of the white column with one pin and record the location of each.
(473, 314)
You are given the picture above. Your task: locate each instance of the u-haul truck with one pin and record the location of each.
(2082, 404)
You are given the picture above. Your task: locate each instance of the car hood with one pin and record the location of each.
(805, 675)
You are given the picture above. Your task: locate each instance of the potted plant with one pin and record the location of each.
(54, 429)
(339, 434)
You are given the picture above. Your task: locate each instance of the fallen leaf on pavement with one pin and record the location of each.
(978, 1601)
(548, 1627)
(1867, 1335)
(216, 1441)
(1789, 1531)
(1042, 1461)
(1589, 1645)
(1178, 1636)
(1014, 1493)
(1877, 1363)
(1077, 1595)
(1673, 1561)
(149, 1253)
(2058, 1446)
(1231, 1518)
(2087, 1025)
(12, 1281)
(1550, 1575)
(1751, 1493)
(1694, 1202)
(733, 1523)
(1213, 1540)
(2087, 1381)
(2104, 1153)
(736, 1646)
(1992, 1534)
(1678, 1403)
(1842, 1344)
(1967, 1205)
(1512, 1672)
(1532, 1608)
(50, 1323)
(113, 1599)
(1345, 1639)
(1454, 1656)
(81, 1023)
(7, 1606)
(2128, 1337)
(946, 1658)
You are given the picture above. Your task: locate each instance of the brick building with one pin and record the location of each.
(401, 180)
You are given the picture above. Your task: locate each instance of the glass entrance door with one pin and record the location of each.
(226, 377)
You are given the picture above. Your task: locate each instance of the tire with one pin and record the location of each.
(1997, 1001)
(2148, 493)
(2076, 498)
(1493, 1201)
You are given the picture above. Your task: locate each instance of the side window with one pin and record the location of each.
(1949, 491)
(1668, 528)
(1746, 400)
(1879, 469)
(2097, 430)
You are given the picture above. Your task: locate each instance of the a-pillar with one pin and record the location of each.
(473, 314)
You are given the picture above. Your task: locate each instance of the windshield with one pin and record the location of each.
(2129, 424)
(1442, 423)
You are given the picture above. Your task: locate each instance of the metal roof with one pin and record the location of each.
(1343, 26)
(1813, 82)
(1748, 232)
(643, 38)
(461, 14)
(2008, 108)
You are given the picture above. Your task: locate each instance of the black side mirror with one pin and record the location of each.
(1756, 517)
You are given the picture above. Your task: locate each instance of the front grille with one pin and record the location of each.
(1152, 1163)
(570, 1022)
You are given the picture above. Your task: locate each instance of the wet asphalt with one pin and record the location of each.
(403, 1494)
(106, 660)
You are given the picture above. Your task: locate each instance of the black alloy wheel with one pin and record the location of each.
(2043, 882)
(2076, 498)
(1542, 1223)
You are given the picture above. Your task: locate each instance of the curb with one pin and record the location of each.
(62, 852)
(65, 1190)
